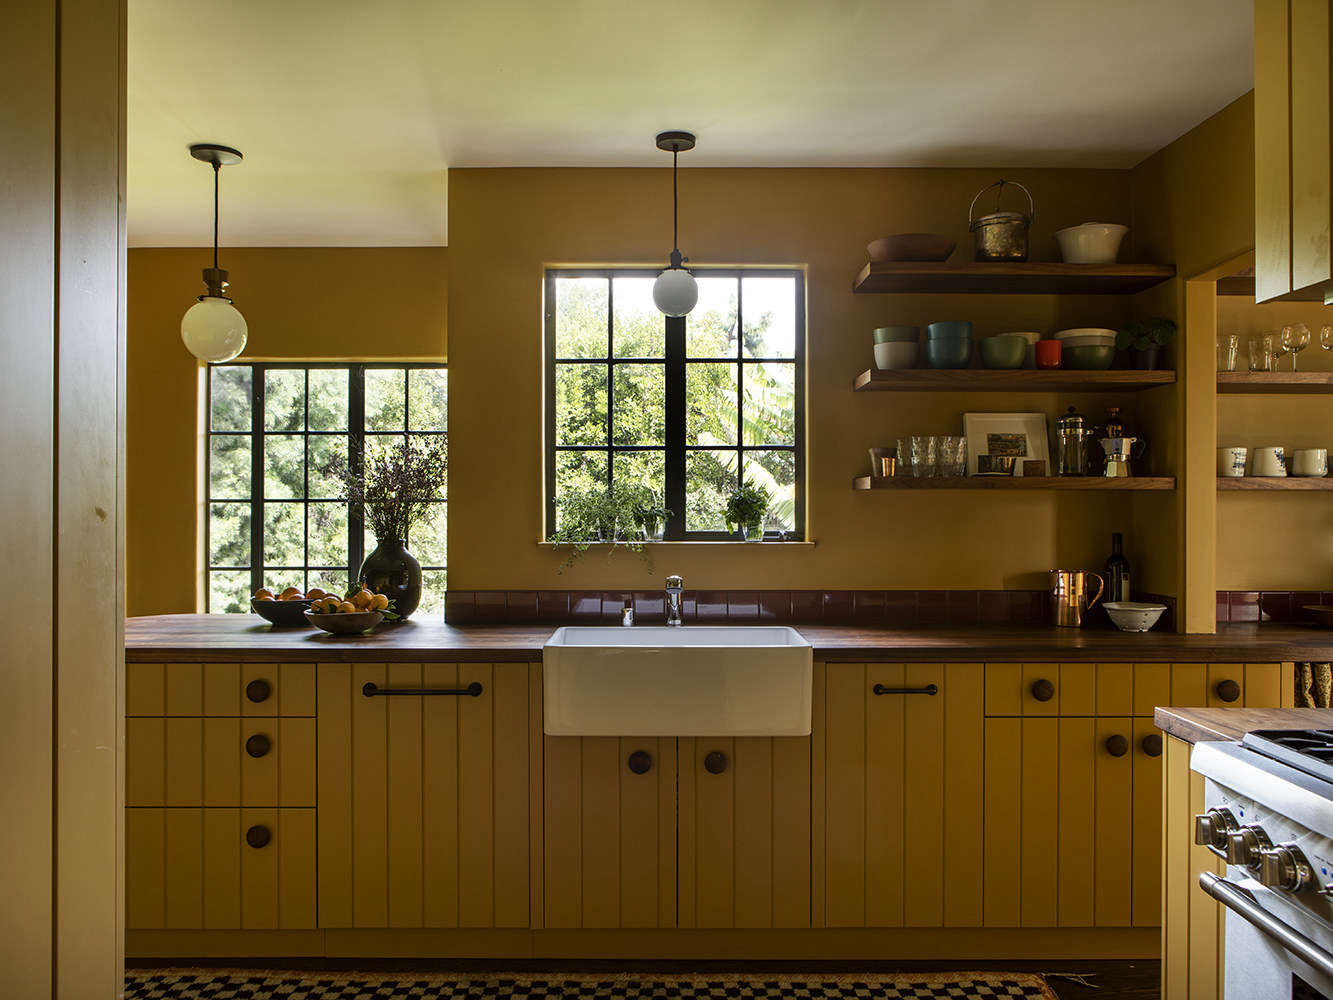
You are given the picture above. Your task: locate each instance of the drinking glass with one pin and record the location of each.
(1261, 353)
(904, 457)
(1326, 338)
(1227, 349)
(924, 457)
(953, 462)
(1294, 340)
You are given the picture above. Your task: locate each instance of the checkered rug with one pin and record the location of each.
(236, 984)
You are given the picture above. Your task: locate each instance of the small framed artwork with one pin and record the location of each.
(1001, 443)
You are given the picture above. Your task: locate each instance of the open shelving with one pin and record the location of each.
(1304, 484)
(1086, 484)
(1031, 278)
(1295, 383)
(1016, 380)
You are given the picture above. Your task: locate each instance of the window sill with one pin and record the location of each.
(693, 545)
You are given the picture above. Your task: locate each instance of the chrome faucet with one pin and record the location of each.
(674, 585)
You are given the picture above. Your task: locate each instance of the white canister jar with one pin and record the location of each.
(1270, 462)
(1310, 462)
(1231, 462)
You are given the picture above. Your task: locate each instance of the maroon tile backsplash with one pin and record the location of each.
(903, 608)
(1280, 606)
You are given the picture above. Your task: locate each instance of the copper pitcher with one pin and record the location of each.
(1069, 596)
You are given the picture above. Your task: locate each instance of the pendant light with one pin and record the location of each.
(213, 329)
(675, 291)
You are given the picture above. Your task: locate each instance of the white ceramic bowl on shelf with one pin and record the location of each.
(1091, 243)
(1134, 616)
(1095, 332)
(894, 356)
(1030, 361)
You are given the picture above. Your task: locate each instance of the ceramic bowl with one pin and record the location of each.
(345, 624)
(1088, 340)
(1132, 616)
(1030, 339)
(894, 356)
(1083, 331)
(955, 352)
(1091, 243)
(1002, 351)
(912, 246)
(1089, 357)
(282, 614)
(897, 334)
(949, 330)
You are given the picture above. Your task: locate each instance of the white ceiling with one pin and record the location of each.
(349, 114)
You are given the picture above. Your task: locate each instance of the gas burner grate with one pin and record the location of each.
(1308, 750)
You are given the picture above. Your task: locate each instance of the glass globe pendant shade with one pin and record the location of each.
(675, 291)
(213, 329)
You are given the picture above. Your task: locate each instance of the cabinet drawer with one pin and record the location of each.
(248, 690)
(220, 869)
(1222, 685)
(219, 762)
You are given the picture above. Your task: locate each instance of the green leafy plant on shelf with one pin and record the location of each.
(1146, 338)
(746, 507)
(621, 515)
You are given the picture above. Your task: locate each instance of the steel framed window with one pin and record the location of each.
(585, 440)
(271, 430)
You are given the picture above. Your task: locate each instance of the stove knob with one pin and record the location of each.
(1285, 867)
(1246, 845)
(1212, 828)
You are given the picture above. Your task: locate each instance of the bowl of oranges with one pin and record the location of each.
(285, 609)
(358, 612)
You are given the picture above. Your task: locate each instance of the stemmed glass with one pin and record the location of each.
(1294, 340)
(1326, 338)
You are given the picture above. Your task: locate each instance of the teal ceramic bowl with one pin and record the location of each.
(1089, 357)
(950, 330)
(954, 352)
(897, 334)
(1002, 351)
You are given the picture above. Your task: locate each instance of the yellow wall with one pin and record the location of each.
(1275, 541)
(300, 303)
(507, 224)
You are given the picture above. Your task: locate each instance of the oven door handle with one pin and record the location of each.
(1240, 902)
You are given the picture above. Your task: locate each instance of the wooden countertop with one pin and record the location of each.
(1196, 725)
(224, 638)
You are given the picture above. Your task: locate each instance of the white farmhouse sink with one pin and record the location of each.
(685, 681)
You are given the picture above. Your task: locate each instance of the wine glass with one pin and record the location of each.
(1326, 338)
(1294, 340)
(1284, 342)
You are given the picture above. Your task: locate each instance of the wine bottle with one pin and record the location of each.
(1117, 571)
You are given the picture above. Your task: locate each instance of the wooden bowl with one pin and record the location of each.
(912, 246)
(353, 623)
(282, 614)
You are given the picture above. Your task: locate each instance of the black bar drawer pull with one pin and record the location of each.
(928, 689)
(473, 690)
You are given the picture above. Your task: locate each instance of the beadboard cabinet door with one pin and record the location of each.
(610, 832)
(901, 790)
(424, 801)
(744, 853)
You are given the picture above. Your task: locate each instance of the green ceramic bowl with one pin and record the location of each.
(897, 334)
(1002, 351)
(1089, 357)
(952, 353)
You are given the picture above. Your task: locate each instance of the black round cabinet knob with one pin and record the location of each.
(715, 762)
(1227, 691)
(258, 836)
(640, 762)
(1117, 745)
(258, 691)
(1043, 690)
(258, 745)
(1152, 744)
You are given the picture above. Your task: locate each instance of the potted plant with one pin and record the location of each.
(619, 514)
(1145, 338)
(746, 507)
(650, 516)
(396, 489)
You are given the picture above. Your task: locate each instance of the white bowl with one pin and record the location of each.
(1085, 331)
(1091, 243)
(1133, 616)
(892, 356)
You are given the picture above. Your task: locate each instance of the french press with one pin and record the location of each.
(1071, 444)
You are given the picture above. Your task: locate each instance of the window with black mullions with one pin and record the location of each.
(276, 516)
(685, 406)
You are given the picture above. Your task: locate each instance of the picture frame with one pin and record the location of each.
(1023, 436)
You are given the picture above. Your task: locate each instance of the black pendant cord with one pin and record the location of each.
(675, 207)
(217, 172)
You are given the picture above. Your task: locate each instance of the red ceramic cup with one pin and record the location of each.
(1048, 354)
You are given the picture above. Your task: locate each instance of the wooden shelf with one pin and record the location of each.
(1018, 380)
(1243, 284)
(1301, 484)
(1088, 484)
(1010, 279)
(1275, 382)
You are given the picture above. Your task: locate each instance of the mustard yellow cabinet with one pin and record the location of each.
(609, 852)
(899, 771)
(424, 800)
(744, 850)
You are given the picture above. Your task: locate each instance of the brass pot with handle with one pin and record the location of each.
(999, 235)
(1069, 596)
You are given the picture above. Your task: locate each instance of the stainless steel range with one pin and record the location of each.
(1269, 813)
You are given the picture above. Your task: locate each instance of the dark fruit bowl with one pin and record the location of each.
(350, 623)
(282, 614)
